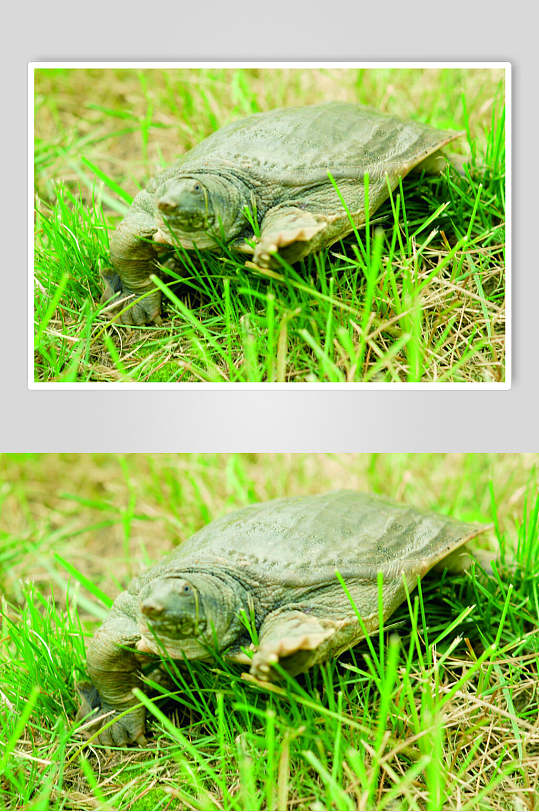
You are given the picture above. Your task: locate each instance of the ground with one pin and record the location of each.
(417, 296)
(440, 710)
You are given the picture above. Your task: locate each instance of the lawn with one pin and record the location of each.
(417, 296)
(438, 711)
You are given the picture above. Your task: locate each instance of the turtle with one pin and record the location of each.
(291, 573)
(282, 183)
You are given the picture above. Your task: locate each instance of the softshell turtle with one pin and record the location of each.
(273, 564)
(277, 166)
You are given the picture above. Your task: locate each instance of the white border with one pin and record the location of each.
(32, 66)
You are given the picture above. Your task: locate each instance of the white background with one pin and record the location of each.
(271, 420)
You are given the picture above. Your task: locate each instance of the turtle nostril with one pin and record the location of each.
(151, 608)
(166, 205)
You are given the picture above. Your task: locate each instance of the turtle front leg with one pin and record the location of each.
(290, 232)
(294, 639)
(114, 670)
(134, 259)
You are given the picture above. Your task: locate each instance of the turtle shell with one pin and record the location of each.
(301, 541)
(297, 146)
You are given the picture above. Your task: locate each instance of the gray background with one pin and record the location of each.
(271, 420)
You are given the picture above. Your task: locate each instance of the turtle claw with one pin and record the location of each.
(146, 311)
(127, 730)
(132, 312)
(96, 716)
(120, 733)
(264, 255)
(261, 665)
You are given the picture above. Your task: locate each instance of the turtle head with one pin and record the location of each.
(187, 614)
(198, 209)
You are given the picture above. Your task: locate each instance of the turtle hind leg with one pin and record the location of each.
(297, 640)
(438, 162)
(462, 559)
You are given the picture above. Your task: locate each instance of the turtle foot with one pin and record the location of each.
(289, 232)
(131, 312)
(101, 724)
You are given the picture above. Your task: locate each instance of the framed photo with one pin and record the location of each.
(270, 224)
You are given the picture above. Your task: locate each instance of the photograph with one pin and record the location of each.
(269, 631)
(287, 225)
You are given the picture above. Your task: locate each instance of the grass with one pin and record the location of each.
(416, 296)
(439, 710)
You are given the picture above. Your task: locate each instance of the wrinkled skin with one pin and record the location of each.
(273, 563)
(275, 165)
